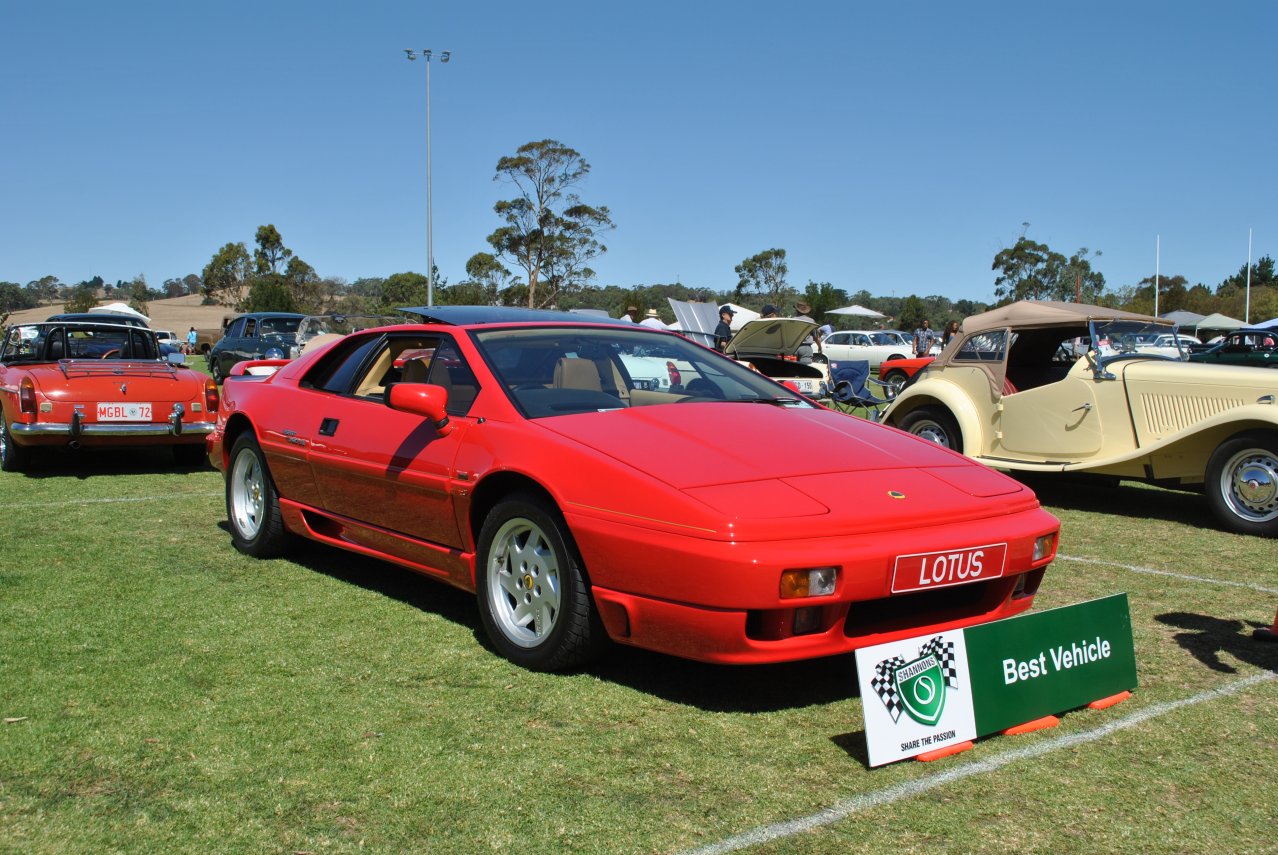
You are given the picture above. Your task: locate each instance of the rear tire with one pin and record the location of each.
(1242, 483)
(253, 503)
(934, 424)
(534, 599)
(13, 457)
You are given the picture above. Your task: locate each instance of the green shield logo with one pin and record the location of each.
(921, 687)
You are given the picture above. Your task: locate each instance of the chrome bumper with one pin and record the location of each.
(113, 429)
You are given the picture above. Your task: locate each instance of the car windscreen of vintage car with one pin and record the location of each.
(550, 371)
(278, 326)
(1124, 339)
(50, 342)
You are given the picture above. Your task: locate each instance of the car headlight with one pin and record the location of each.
(809, 582)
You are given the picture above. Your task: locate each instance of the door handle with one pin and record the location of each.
(1087, 408)
(328, 427)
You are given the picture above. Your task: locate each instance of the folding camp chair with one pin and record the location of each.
(851, 389)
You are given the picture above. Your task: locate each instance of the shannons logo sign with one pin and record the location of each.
(943, 688)
(917, 687)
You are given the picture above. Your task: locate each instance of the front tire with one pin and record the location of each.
(1242, 483)
(13, 457)
(934, 424)
(534, 599)
(895, 380)
(253, 503)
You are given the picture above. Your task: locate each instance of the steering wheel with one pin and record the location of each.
(111, 354)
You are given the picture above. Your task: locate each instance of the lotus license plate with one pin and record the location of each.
(923, 571)
(130, 412)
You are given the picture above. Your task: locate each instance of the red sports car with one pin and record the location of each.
(899, 373)
(725, 519)
(97, 384)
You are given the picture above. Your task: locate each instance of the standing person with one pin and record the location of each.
(951, 330)
(652, 320)
(632, 314)
(768, 311)
(812, 342)
(924, 337)
(192, 337)
(723, 331)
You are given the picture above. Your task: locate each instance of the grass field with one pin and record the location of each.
(163, 693)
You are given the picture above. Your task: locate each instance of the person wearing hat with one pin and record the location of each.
(768, 311)
(812, 342)
(723, 331)
(632, 314)
(652, 320)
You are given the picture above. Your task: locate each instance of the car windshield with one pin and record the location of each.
(50, 342)
(1124, 339)
(314, 325)
(278, 326)
(550, 371)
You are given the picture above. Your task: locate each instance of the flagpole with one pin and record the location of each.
(1247, 308)
(1158, 254)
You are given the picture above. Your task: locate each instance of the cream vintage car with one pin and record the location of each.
(1060, 387)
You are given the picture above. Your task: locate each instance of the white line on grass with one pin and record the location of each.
(110, 501)
(1152, 572)
(907, 789)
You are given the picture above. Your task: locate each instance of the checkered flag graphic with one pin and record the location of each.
(944, 653)
(885, 687)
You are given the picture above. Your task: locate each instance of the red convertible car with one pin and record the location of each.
(725, 519)
(97, 384)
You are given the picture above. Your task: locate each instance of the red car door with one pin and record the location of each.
(381, 466)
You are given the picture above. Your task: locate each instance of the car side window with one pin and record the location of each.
(250, 327)
(450, 370)
(236, 328)
(983, 347)
(337, 370)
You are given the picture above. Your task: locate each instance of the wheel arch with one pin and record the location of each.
(496, 487)
(236, 425)
(942, 395)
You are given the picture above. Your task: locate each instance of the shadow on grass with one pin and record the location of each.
(1208, 637)
(1126, 499)
(714, 688)
(85, 463)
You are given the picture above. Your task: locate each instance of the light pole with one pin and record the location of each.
(444, 56)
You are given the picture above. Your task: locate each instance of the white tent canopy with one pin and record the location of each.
(122, 309)
(859, 311)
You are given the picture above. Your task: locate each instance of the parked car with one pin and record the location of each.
(92, 384)
(875, 347)
(505, 452)
(256, 335)
(1256, 346)
(133, 320)
(1174, 345)
(1013, 395)
(899, 373)
(312, 327)
(167, 337)
(771, 346)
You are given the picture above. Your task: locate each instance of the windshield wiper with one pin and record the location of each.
(778, 401)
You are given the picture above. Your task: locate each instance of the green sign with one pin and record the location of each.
(1038, 664)
(925, 693)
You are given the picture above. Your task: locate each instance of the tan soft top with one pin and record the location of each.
(1045, 312)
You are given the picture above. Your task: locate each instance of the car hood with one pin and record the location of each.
(756, 461)
(770, 336)
(1237, 378)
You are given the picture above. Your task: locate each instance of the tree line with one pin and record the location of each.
(551, 236)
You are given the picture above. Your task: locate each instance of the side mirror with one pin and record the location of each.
(430, 402)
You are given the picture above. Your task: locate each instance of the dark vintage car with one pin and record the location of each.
(1256, 346)
(75, 383)
(505, 452)
(256, 335)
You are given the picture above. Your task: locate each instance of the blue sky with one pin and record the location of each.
(892, 147)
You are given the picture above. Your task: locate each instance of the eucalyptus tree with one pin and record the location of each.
(548, 231)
